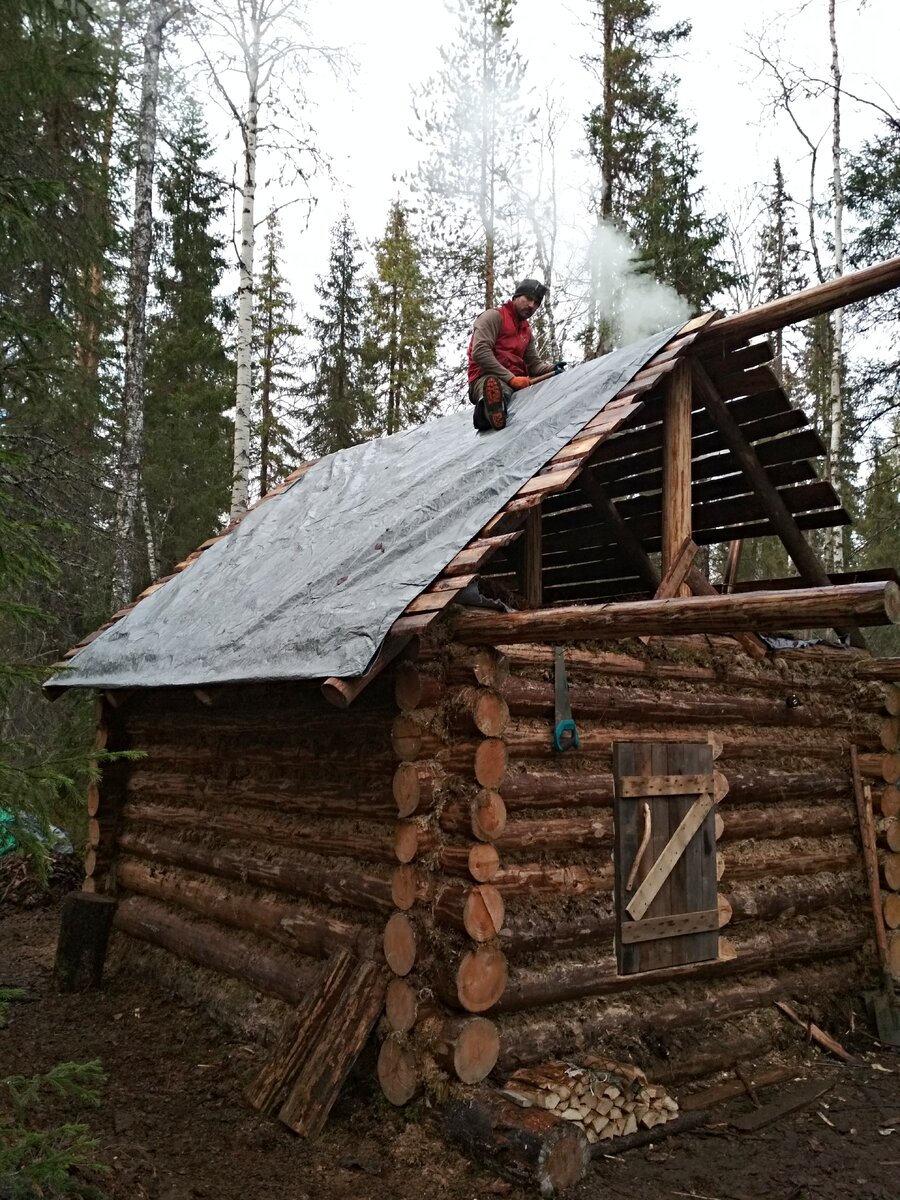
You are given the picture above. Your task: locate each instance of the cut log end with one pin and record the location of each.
(484, 862)
(488, 815)
(401, 1006)
(481, 978)
(476, 1050)
(400, 944)
(491, 760)
(483, 913)
(397, 1072)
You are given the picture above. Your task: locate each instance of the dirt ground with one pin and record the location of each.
(173, 1125)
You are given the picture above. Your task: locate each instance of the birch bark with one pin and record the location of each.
(131, 455)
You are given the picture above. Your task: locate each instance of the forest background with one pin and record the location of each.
(239, 234)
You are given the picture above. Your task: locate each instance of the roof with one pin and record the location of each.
(308, 584)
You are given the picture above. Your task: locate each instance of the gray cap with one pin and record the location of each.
(531, 287)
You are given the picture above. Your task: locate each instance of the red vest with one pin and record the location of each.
(511, 343)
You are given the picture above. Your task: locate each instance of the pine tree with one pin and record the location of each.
(189, 375)
(647, 163)
(276, 366)
(471, 123)
(340, 411)
(877, 532)
(401, 346)
(781, 258)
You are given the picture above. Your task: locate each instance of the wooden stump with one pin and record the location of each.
(84, 928)
(530, 1146)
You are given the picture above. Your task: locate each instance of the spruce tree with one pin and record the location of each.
(276, 366)
(401, 346)
(189, 375)
(877, 532)
(340, 411)
(647, 163)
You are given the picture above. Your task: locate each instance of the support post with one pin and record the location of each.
(676, 507)
(530, 561)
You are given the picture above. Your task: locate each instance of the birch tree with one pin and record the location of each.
(129, 473)
(835, 445)
(263, 53)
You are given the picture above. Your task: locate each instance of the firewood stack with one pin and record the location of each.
(607, 1099)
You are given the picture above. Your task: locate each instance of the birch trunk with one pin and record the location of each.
(240, 491)
(488, 121)
(836, 536)
(129, 474)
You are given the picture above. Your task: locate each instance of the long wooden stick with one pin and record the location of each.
(870, 856)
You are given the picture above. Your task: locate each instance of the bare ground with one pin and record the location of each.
(173, 1125)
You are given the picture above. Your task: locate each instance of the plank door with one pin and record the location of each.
(665, 790)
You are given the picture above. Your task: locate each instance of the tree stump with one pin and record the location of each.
(84, 929)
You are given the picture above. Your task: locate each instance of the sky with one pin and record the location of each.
(363, 120)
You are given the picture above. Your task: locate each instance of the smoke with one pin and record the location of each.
(626, 301)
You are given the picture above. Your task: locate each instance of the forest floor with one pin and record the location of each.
(172, 1124)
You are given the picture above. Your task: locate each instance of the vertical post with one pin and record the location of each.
(676, 507)
(530, 561)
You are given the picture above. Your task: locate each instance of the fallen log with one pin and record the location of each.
(858, 603)
(531, 1147)
(722, 1092)
(207, 945)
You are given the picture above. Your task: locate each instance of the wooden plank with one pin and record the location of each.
(628, 760)
(675, 847)
(555, 482)
(697, 869)
(450, 585)
(676, 489)
(677, 925)
(664, 785)
(579, 447)
(530, 573)
(432, 601)
(475, 555)
(680, 566)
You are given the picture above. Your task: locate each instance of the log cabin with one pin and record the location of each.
(352, 812)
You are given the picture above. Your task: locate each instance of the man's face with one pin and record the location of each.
(525, 306)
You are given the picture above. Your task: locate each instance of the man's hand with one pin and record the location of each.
(518, 382)
(558, 368)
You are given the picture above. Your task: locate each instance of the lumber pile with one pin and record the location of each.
(606, 1099)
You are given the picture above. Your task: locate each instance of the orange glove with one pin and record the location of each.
(518, 382)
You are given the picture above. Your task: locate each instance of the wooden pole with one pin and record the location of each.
(858, 603)
(824, 297)
(676, 503)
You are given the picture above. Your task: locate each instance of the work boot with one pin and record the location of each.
(494, 403)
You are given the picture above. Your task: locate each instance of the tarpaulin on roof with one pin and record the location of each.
(309, 582)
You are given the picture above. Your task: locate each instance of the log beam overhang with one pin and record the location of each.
(860, 603)
(676, 478)
(811, 570)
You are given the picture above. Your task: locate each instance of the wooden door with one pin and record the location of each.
(665, 855)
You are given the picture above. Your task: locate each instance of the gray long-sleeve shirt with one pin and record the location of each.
(484, 337)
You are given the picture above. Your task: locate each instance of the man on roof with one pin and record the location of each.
(502, 357)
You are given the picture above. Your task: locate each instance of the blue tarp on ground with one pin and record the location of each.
(309, 583)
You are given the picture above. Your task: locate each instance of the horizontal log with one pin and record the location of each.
(811, 302)
(885, 767)
(302, 927)
(480, 862)
(482, 816)
(526, 789)
(476, 710)
(751, 612)
(412, 840)
(555, 835)
(890, 868)
(485, 665)
(783, 822)
(218, 949)
(400, 944)
(466, 1047)
(879, 668)
(756, 865)
(374, 844)
(413, 688)
(357, 889)
(415, 786)
(758, 952)
(792, 897)
(534, 698)
(536, 880)
(530, 1037)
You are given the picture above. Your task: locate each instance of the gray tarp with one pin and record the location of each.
(309, 583)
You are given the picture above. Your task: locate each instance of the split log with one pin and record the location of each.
(310, 931)
(415, 787)
(478, 911)
(312, 1058)
(476, 710)
(481, 978)
(761, 951)
(401, 1005)
(534, 698)
(748, 612)
(207, 945)
(297, 876)
(466, 1047)
(397, 1071)
(84, 928)
(400, 944)
(531, 1147)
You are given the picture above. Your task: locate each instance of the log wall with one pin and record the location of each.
(434, 827)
